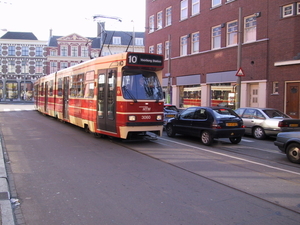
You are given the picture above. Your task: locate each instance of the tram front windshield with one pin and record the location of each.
(141, 86)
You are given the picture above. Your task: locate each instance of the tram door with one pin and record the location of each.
(46, 97)
(106, 100)
(66, 98)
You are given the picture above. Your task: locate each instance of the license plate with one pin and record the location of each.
(170, 115)
(294, 125)
(231, 124)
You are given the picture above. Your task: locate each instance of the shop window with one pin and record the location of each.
(223, 94)
(190, 95)
(11, 90)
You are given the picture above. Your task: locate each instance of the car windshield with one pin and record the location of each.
(273, 113)
(224, 113)
(141, 85)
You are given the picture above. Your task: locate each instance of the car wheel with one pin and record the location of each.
(293, 153)
(170, 130)
(206, 138)
(235, 140)
(259, 133)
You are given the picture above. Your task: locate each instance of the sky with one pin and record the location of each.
(66, 17)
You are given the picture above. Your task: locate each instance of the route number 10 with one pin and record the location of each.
(132, 59)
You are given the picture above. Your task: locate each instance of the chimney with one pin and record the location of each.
(50, 33)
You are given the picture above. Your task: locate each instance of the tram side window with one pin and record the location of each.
(77, 88)
(51, 88)
(59, 87)
(42, 89)
(89, 84)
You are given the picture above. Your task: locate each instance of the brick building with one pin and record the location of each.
(200, 41)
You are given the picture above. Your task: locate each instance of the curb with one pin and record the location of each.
(6, 213)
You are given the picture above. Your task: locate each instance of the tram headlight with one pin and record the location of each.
(159, 117)
(132, 118)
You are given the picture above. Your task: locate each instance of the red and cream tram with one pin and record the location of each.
(118, 95)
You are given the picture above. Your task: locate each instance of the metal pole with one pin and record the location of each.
(239, 60)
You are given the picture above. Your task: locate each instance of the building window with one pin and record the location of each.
(117, 40)
(53, 53)
(53, 67)
(84, 51)
(25, 50)
(159, 20)
(64, 51)
(275, 87)
(25, 68)
(11, 50)
(287, 10)
(74, 51)
(216, 37)
(63, 65)
(159, 48)
(139, 41)
(195, 7)
(195, 42)
(11, 66)
(183, 9)
(39, 67)
(167, 50)
(298, 8)
(73, 63)
(151, 49)
(250, 29)
(232, 32)
(39, 51)
(151, 24)
(183, 45)
(215, 3)
(0, 50)
(168, 16)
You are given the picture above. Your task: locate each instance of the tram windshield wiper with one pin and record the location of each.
(128, 93)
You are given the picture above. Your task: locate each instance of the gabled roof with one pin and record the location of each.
(126, 38)
(19, 36)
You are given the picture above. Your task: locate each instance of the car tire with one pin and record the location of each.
(235, 140)
(293, 153)
(206, 138)
(170, 130)
(259, 133)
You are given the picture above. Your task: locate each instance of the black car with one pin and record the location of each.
(207, 123)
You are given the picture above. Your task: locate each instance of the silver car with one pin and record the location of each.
(262, 122)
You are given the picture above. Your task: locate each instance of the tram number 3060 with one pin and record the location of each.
(146, 117)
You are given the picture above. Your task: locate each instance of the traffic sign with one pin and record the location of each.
(240, 72)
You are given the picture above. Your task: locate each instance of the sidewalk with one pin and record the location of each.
(6, 211)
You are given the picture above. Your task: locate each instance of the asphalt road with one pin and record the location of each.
(63, 175)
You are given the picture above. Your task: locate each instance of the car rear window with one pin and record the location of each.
(222, 113)
(275, 113)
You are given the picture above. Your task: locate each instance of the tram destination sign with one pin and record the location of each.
(140, 59)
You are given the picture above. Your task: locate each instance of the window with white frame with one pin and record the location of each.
(298, 8)
(11, 66)
(25, 50)
(195, 42)
(232, 33)
(63, 65)
(53, 67)
(183, 45)
(168, 16)
(0, 50)
(250, 29)
(151, 49)
(64, 50)
(117, 40)
(39, 51)
(11, 50)
(74, 51)
(84, 51)
(215, 3)
(167, 50)
(275, 87)
(73, 63)
(159, 48)
(216, 37)
(159, 20)
(139, 41)
(287, 10)
(195, 7)
(38, 67)
(53, 53)
(151, 24)
(24, 68)
(183, 9)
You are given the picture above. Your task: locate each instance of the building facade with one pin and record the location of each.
(22, 61)
(218, 50)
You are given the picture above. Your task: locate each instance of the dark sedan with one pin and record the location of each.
(289, 144)
(207, 123)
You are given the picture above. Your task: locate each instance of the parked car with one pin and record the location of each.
(262, 122)
(207, 123)
(289, 143)
(170, 111)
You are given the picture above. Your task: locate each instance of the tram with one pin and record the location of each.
(118, 95)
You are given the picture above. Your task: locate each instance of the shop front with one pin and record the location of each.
(15, 90)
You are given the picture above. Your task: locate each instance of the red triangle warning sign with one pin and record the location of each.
(240, 72)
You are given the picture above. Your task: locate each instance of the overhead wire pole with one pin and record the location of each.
(239, 61)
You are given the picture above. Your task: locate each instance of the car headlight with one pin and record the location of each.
(159, 117)
(132, 118)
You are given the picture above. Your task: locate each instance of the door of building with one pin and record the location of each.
(292, 99)
(253, 95)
